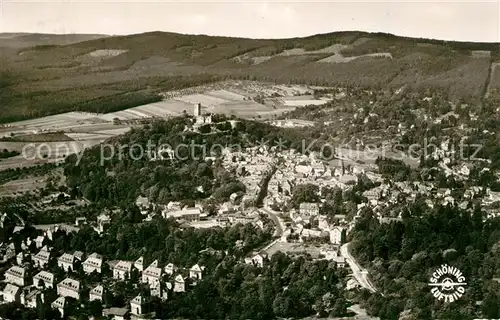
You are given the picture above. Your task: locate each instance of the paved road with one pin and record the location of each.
(359, 272)
(280, 227)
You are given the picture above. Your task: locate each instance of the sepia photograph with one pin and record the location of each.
(249, 160)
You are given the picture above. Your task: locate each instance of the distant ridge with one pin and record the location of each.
(49, 74)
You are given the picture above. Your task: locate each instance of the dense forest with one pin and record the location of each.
(403, 255)
(122, 178)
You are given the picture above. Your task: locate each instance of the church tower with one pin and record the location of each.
(197, 110)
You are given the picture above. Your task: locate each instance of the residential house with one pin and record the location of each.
(29, 297)
(115, 313)
(20, 258)
(42, 258)
(333, 256)
(187, 214)
(2, 220)
(226, 207)
(11, 293)
(174, 206)
(136, 305)
(66, 262)
(312, 233)
(179, 284)
(169, 268)
(80, 221)
(157, 290)
(16, 275)
(195, 272)
(152, 274)
(59, 304)
(352, 284)
(93, 263)
(103, 221)
(139, 264)
(96, 293)
(307, 209)
(257, 260)
(337, 235)
(43, 280)
(142, 203)
(340, 261)
(78, 255)
(39, 241)
(69, 288)
(121, 270)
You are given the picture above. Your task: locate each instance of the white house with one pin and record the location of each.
(43, 279)
(195, 272)
(152, 274)
(179, 284)
(136, 306)
(39, 241)
(16, 275)
(157, 290)
(187, 214)
(139, 264)
(29, 297)
(59, 304)
(78, 255)
(103, 221)
(115, 313)
(96, 293)
(169, 268)
(308, 209)
(20, 258)
(337, 235)
(11, 293)
(257, 260)
(42, 258)
(121, 270)
(66, 262)
(93, 263)
(69, 288)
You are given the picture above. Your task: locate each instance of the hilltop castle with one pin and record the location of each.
(200, 118)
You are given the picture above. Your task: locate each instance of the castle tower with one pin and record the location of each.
(197, 110)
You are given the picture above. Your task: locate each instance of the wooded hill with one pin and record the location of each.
(48, 75)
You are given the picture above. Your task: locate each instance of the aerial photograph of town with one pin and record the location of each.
(249, 160)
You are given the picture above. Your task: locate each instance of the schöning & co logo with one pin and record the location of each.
(448, 283)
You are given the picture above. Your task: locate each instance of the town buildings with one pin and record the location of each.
(42, 258)
(96, 293)
(43, 280)
(16, 275)
(66, 262)
(121, 270)
(69, 288)
(93, 263)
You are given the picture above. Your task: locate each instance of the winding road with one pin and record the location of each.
(280, 226)
(359, 272)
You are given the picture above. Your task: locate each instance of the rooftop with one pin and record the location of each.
(10, 289)
(45, 276)
(16, 271)
(70, 284)
(66, 258)
(123, 265)
(59, 303)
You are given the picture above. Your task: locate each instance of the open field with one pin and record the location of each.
(286, 247)
(23, 185)
(55, 137)
(494, 81)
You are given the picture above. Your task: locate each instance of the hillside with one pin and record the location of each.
(104, 74)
